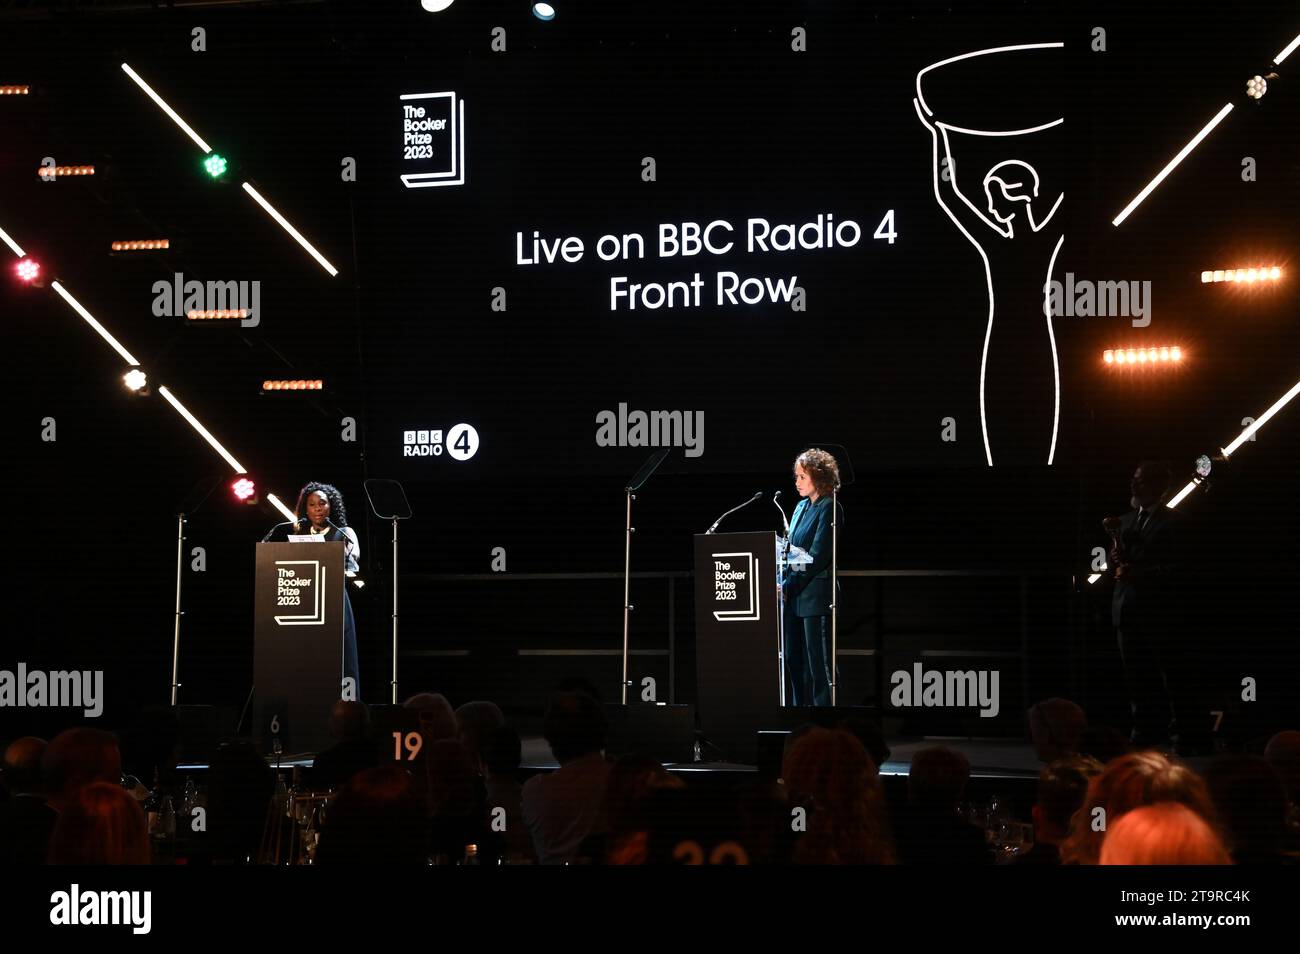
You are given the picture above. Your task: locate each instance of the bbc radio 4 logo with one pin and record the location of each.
(461, 443)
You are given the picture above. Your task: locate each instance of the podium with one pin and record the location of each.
(737, 639)
(298, 643)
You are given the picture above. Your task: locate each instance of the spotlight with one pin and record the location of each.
(46, 172)
(141, 245)
(245, 490)
(1163, 355)
(217, 314)
(27, 270)
(135, 380)
(15, 90)
(435, 6)
(299, 385)
(1204, 465)
(543, 11)
(1261, 273)
(1256, 87)
(215, 165)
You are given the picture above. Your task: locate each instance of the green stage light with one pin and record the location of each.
(216, 165)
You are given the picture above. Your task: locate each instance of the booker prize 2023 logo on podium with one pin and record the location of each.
(735, 587)
(300, 584)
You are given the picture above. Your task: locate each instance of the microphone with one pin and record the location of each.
(776, 498)
(1114, 527)
(733, 510)
(287, 523)
(346, 539)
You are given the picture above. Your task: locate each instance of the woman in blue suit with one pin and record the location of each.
(808, 592)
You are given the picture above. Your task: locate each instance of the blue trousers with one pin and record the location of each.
(351, 666)
(807, 653)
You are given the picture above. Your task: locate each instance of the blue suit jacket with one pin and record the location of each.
(810, 528)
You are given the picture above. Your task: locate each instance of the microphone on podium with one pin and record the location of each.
(287, 523)
(733, 510)
(776, 499)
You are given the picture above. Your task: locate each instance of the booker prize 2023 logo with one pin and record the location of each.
(735, 587)
(300, 587)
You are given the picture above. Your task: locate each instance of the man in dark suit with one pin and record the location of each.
(1145, 557)
(807, 592)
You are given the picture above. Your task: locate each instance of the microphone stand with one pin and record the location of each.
(190, 505)
(176, 631)
(835, 596)
(780, 597)
(640, 477)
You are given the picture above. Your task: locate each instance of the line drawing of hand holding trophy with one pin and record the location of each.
(1012, 229)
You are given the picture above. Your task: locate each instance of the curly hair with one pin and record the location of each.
(821, 468)
(828, 772)
(338, 513)
(1128, 782)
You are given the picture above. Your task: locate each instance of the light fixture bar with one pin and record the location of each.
(310, 384)
(1182, 154)
(1245, 276)
(13, 246)
(203, 431)
(1290, 48)
(47, 172)
(275, 501)
(284, 223)
(162, 104)
(1178, 497)
(137, 245)
(1261, 420)
(103, 332)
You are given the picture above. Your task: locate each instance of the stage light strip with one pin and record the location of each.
(131, 360)
(13, 246)
(203, 431)
(275, 501)
(1178, 497)
(1173, 163)
(1290, 48)
(165, 108)
(1261, 420)
(1093, 578)
(127, 356)
(284, 223)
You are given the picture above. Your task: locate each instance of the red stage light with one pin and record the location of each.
(244, 489)
(27, 270)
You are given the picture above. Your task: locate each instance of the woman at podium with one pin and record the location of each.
(321, 513)
(807, 590)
